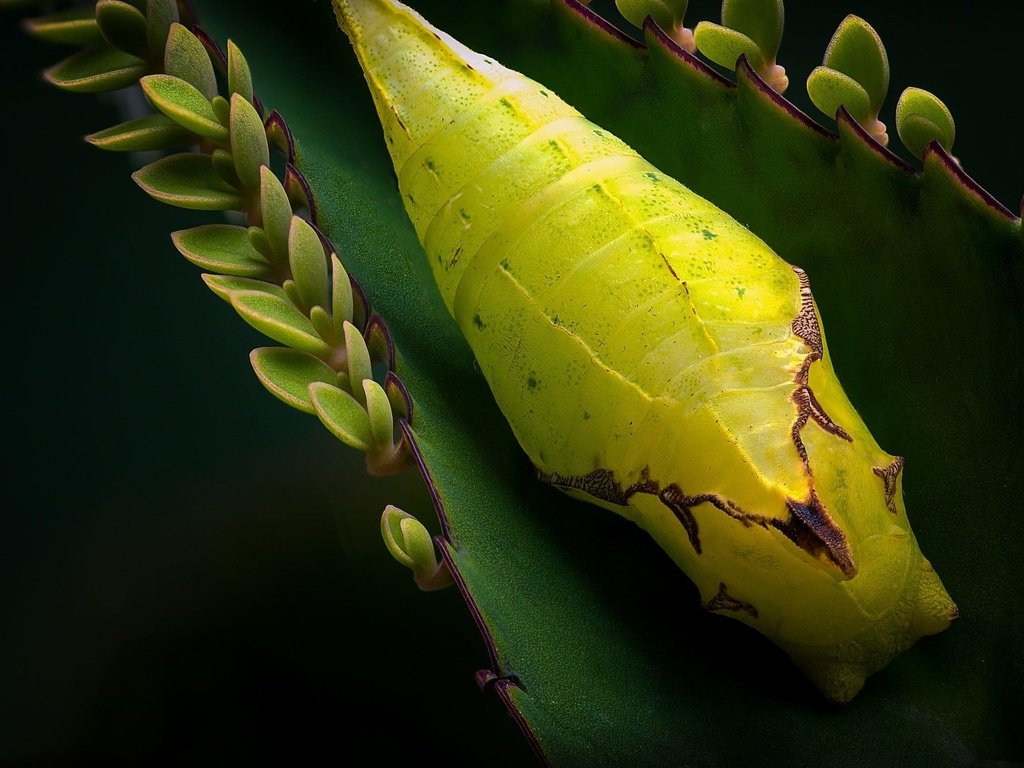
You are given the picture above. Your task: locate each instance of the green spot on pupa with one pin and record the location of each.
(531, 382)
(708, 234)
(586, 416)
(478, 322)
(652, 176)
(740, 290)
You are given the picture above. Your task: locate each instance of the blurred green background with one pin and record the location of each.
(192, 571)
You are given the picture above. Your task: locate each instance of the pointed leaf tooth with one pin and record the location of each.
(160, 14)
(76, 26)
(724, 46)
(856, 50)
(922, 118)
(277, 212)
(378, 407)
(341, 296)
(287, 374)
(760, 20)
(224, 167)
(830, 89)
(279, 320)
(225, 285)
(186, 58)
(96, 70)
(223, 249)
(342, 415)
(187, 180)
(123, 26)
(152, 132)
(357, 359)
(308, 263)
(321, 320)
(185, 104)
(239, 76)
(248, 142)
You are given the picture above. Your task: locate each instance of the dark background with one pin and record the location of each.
(190, 570)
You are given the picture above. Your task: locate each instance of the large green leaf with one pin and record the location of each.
(920, 293)
(919, 284)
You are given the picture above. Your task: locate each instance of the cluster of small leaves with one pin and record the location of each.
(409, 542)
(275, 272)
(751, 28)
(854, 74)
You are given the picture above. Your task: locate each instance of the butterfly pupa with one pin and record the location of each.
(651, 355)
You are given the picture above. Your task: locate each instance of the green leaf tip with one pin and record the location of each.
(248, 142)
(239, 76)
(667, 14)
(855, 68)
(160, 15)
(96, 70)
(185, 104)
(287, 374)
(76, 26)
(410, 543)
(751, 28)
(188, 180)
(308, 263)
(278, 319)
(124, 26)
(186, 58)
(222, 248)
(143, 134)
(922, 118)
(342, 414)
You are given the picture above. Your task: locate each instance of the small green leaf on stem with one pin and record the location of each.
(308, 263)
(96, 70)
(160, 14)
(760, 20)
(279, 320)
(76, 26)
(409, 542)
(321, 320)
(856, 50)
(922, 118)
(724, 46)
(123, 26)
(341, 296)
(357, 357)
(187, 59)
(248, 142)
(277, 212)
(830, 89)
(342, 414)
(239, 76)
(225, 285)
(187, 180)
(287, 374)
(152, 132)
(185, 104)
(224, 167)
(382, 420)
(223, 249)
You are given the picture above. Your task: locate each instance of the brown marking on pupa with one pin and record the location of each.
(812, 529)
(723, 601)
(890, 475)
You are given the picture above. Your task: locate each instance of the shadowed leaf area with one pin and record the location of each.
(919, 286)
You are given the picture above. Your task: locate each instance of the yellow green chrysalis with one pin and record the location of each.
(651, 354)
